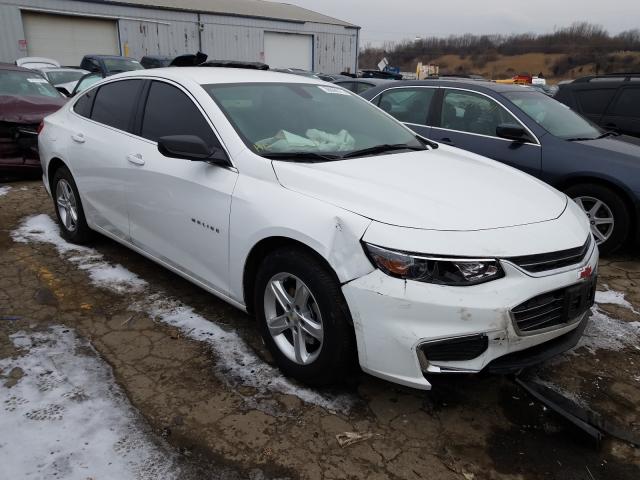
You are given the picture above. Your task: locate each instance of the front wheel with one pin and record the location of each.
(607, 213)
(303, 317)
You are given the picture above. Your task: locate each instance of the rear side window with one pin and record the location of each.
(595, 101)
(169, 111)
(627, 103)
(115, 104)
(84, 104)
(409, 105)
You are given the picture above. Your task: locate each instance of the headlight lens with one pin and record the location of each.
(441, 271)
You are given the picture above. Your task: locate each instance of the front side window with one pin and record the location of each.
(308, 118)
(115, 104)
(627, 103)
(170, 112)
(596, 101)
(555, 117)
(65, 76)
(19, 83)
(473, 113)
(409, 105)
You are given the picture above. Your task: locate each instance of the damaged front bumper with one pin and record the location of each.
(406, 329)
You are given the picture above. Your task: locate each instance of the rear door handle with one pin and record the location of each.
(78, 138)
(135, 158)
(446, 140)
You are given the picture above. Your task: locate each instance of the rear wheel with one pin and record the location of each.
(303, 317)
(73, 224)
(607, 213)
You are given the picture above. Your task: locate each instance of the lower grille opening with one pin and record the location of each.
(456, 349)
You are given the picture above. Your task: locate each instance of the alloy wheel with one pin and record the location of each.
(67, 205)
(600, 217)
(293, 318)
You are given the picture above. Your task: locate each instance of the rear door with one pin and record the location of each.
(469, 120)
(624, 113)
(179, 209)
(410, 105)
(100, 140)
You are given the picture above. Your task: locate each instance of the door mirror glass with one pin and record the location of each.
(512, 131)
(190, 147)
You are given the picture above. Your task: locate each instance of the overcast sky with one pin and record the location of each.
(384, 20)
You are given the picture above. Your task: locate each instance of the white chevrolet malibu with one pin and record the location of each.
(340, 230)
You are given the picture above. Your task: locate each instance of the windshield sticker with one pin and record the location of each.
(335, 90)
(37, 80)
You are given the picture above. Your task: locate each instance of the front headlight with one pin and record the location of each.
(441, 271)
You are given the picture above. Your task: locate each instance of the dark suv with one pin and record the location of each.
(611, 101)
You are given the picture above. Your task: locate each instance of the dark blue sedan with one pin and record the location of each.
(530, 131)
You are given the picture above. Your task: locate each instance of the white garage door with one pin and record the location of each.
(67, 38)
(288, 50)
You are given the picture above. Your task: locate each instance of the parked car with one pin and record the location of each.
(380, 74)
(359, 85)
(611, 101)
(36, 63)
(156, 61)
(534, 133)
(342, 230)
(64, 79)
(26, 97)
(109, 64)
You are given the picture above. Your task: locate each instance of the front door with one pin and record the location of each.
(468, 120)
(179, 209)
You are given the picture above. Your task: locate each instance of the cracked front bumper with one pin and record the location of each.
(394, 318)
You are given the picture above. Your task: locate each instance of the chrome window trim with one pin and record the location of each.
(533, 135)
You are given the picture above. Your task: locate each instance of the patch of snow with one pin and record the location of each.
(614, 297)
(236, 361)
(42, 229)
(4, 189)
(604, 332)
(66, 417)
(573, 396)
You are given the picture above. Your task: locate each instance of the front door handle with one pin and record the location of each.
(78, 138)
(135, 158)
(446, 140)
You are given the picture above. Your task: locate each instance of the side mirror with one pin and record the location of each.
(512, 131)
(191, 147)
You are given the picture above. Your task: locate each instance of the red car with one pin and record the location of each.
(26, 97)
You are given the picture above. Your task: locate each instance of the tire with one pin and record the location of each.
(334, 358)
(66, 199)
(609, 238)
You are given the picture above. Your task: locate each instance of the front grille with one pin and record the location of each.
(551, 261)
(456, 349)
(554, 308)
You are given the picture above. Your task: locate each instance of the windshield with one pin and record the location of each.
(115, 65)
(292, 118)
(24, 83)
(553, 116)
(65, 76)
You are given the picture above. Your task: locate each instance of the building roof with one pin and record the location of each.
(241, 8)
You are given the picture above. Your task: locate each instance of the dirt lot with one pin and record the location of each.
(201, 390)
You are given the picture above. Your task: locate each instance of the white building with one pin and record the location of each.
(278, 34)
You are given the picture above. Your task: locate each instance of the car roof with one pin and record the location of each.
(206, 75)
(11, 66)
(374, 81)
(478, 85)
(108, 56)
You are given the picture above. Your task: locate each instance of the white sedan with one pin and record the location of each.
(345, 234)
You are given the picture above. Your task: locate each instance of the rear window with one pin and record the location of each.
(84, 104)
(595, 101)
(65, 76)
(14, 82)
(115, 104)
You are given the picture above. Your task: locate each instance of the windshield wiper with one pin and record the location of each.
(310, 157)
(381, 149)
(609, 133)
(586, 139)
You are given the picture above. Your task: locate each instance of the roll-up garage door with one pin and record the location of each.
(68, 38)
(288, 50)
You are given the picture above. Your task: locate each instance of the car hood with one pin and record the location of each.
(624, 145)
(443, 189)
(28, 109)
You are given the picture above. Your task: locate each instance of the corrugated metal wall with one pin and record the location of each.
(155, 31)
